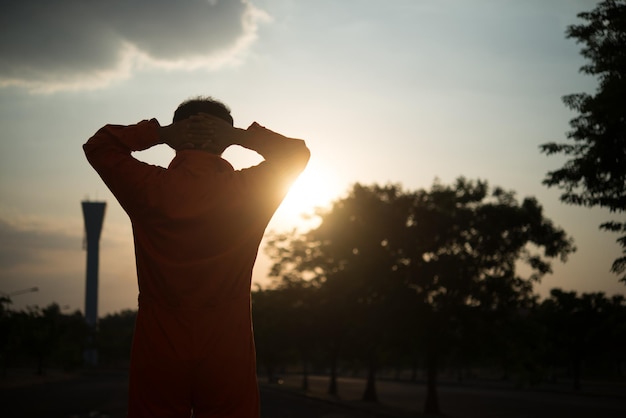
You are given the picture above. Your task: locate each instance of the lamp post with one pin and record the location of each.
(20, 292)
(7, 296)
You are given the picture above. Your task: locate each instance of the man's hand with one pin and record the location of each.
(201, 132)
(262, 132)
(185, 134)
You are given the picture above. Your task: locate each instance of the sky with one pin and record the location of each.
(400, 91)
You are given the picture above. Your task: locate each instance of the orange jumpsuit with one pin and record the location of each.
(197, 226)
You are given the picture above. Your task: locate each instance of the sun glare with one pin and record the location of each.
(312, 190)
(315, 188)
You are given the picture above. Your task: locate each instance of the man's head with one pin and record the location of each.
(203, 105)
(208, 105)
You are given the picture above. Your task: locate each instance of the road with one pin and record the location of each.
(465, 401)
(101, 394)
(104, 395)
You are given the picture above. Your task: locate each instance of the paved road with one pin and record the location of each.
(278, 403)
(78, 397)
(104, 395)
(478, 402)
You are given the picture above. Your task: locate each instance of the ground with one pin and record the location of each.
(103, 394)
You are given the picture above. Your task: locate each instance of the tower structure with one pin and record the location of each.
(93, 214)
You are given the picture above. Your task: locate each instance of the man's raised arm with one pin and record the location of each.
(272, 146)
(109, 153)
(275, 147)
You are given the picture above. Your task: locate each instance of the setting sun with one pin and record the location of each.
(312, 190)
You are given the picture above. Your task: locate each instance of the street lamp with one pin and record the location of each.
(20, 292)
(6, 297)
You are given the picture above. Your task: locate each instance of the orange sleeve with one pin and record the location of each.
(109, 153)
(270, 181)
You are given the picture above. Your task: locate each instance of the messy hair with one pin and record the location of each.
(203, 104)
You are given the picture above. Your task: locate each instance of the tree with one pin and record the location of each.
(586, 330)
(49, 337)
(464, 246)
(114, 338)
(296, 256)
(271, 329)
(287, 310)
(595, 174)
(360, 234)
(448, 255)
(73, 331)
(5, 332)
(349, 258)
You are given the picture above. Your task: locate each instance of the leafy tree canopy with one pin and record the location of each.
(382, 256)
(595, 174)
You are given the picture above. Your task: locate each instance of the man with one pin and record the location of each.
(197, 226)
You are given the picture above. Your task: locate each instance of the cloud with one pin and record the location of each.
(81, 44)
(28, 244)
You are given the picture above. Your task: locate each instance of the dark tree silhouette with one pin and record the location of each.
(114, 338)
(349, 256)
(595, 174)
(271, 330)
(6, 336)
(587, 329)
(448, 255)
(296, 315)
(44, 335)
(297, 255)
(359, 234)
(464, 245)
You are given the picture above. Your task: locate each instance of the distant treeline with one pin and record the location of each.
(44, 338)
(564, 337)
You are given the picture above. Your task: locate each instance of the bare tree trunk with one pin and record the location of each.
(431, 405)
(332, 387)
(370, 394)
(305, 373)
(576, 370)
(414, 369)
(270, 373)
(40, 365)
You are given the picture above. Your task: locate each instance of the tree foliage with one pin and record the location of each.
(581, 329)
(47, 337)
(41, 337)
(595, 174)
(114, 338)
(439, 260)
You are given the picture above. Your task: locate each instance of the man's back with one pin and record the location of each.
(197, 241)
(197, 226)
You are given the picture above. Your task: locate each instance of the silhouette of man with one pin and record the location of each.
(197, 226)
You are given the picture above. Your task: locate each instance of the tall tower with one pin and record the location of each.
(93, 214)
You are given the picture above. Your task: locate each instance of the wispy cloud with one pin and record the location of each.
(27, 244)
(84, 44)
